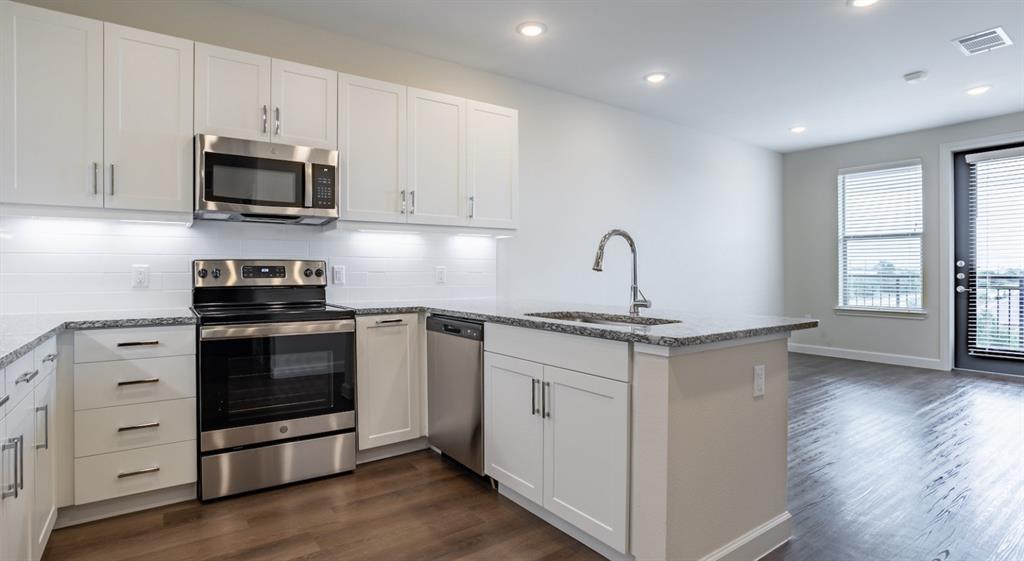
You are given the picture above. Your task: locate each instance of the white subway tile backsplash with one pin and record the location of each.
(53, 269)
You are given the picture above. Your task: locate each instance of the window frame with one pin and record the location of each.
(899, 313)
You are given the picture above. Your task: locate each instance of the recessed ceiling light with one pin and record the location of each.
(978, 90)
(797, 129)
(656, 77)
(861, 3)
(531, 28)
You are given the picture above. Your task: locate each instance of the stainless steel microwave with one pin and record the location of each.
(247, 180)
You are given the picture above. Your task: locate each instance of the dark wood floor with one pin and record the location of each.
(886, 463)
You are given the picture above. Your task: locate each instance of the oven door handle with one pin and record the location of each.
(254, 330)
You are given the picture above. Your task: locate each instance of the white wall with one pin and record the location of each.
(55, 269)
(811, 264)
(706, 211)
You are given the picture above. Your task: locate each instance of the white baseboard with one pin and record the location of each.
(756, 543)
(391, 450)
(575, 533)
(80, 514)
(869, 356)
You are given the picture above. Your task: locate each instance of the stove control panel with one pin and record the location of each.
(220, 273)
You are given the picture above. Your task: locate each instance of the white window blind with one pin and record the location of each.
(995, 309)
(880, 227)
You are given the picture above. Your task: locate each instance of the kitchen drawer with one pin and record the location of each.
(46, 357)
(125, 382)
(590, 355)
(107, 476)
(21, 377)
(97, 345)
(113, 429)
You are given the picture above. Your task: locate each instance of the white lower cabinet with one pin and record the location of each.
(560, 438)
(44, 511)
(389, 387)
(106, 476)
(18, 478)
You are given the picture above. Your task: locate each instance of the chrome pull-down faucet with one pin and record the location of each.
(637, 298)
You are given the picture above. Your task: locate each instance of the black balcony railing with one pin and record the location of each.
(883, 290)
(998, 309)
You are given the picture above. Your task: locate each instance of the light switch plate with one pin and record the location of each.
(140, 276)
(338, 274)
(759, 380)
(440, 274)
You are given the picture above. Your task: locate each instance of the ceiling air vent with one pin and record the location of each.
(983, 41)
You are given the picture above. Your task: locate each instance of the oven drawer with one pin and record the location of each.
(97, 345)
(113, 429)
(126, 382)
(107, 476)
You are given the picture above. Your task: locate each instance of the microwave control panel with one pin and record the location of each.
(324, 190)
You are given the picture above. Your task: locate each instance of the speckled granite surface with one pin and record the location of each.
(12, 350)
(690, 329)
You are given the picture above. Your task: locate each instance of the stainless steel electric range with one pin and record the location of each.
(276, 375)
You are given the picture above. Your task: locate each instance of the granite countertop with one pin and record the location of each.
(15, 347)
(691, 329)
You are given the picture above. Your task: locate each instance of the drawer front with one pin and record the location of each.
(599, 357)
(107, 476)
(46, 357)
(126, 382)
(21, 377)
(113, 429)
(97, 345)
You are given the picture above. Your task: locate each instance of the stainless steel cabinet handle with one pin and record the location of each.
(124, 474)
(402, 209)
(137, 382)
(46, 427)
(547, 400)
(391, 322)
(21, 463)
(50, 357)
(111, 180)
(12, 489)
(150, 425)
(138, 343)
(264, 119)
(277, 121)
(472, 206)
(95, 178)
(4, 400)
(533, 396)
(412, 201)
(26, 377)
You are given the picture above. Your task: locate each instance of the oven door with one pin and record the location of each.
(274, 381)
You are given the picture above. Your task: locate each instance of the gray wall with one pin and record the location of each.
(706, 211)
(811, 266)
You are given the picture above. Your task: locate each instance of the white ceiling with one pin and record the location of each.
(746, 69)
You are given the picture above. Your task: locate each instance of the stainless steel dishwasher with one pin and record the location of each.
(455, 389)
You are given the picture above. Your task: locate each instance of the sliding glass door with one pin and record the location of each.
(989, 254)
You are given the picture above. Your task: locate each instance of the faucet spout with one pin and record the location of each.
(637, 298)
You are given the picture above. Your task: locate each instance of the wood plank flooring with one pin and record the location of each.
(886, 463)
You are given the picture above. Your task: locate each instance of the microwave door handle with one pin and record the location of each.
(308, 202)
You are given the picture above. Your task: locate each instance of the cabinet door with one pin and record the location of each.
(305, 102)
(514, 428)
(44, 511)
(493, 164)
(232, 93)
(389, 384)
(148, 120)
(437, 158)
(19, 453)
(51, 99)
(371, 149)
(586, 453)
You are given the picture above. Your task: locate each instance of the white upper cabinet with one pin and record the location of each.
(51, 98)
(232, 93)
(493, 165)
(437, 158)
(305, 100)
(148, 120)
(371, 149)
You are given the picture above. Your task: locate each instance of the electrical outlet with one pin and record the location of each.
(441, 274)
(338, 274)
(759, 380)
(140, 276)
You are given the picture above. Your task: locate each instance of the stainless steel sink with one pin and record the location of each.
(603, 319)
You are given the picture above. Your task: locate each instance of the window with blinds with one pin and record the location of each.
(880, 227)
(995, 309)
